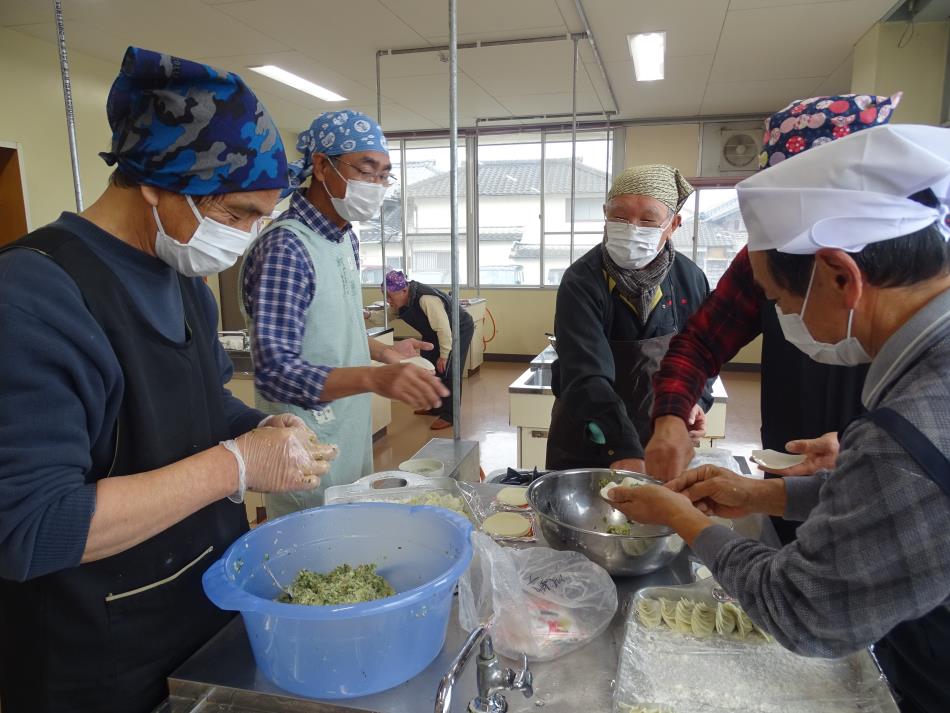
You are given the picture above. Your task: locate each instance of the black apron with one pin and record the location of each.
(635, 363)
(103, 637)
(915, 655)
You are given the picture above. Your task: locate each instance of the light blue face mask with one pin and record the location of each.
(847, 352)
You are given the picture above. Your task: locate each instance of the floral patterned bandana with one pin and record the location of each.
(806, 123)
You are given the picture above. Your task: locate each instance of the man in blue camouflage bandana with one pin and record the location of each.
(302, 296)
(125, 459)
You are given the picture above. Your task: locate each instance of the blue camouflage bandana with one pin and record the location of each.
(190, 128)
(335, 133)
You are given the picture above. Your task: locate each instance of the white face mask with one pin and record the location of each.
(361, 201)
(847, 352)
(213, 246)
(633, 247)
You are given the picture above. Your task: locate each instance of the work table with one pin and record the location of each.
(224, 672)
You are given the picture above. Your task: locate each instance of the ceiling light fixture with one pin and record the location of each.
(299, 83)
(648, 50)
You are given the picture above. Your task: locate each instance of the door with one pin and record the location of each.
(13, 220)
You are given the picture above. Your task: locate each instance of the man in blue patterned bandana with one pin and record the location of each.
(124, 459)
(302, 295)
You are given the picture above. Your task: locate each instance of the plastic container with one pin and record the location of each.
(351, 650)
(429, 467)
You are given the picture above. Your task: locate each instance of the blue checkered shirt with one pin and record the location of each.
(278, 287)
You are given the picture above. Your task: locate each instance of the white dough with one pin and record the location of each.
(513, 497)
(627, 482)
(507, 524)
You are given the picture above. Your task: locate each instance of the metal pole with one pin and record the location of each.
(544, 139)
(382, 209)
(610, 143)
(453, 213)
(404, 203)
(597, 58)
(68, 98)
(573, 147)
(473, 196)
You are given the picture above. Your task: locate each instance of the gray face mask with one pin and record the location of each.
(847, 352)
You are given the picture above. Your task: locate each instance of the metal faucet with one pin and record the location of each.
(492, 678)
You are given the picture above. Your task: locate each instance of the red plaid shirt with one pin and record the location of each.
(727, 321)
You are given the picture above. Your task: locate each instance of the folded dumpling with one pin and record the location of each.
(648, 610)
(703, 619)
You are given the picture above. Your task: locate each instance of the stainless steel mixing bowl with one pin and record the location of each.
(573, 516)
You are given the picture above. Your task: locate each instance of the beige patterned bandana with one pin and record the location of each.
(653, 180)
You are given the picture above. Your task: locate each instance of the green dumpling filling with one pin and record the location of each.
(344, 585)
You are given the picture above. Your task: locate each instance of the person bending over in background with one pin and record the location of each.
(427, 310)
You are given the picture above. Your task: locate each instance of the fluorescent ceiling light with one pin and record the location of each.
(292, 80)
(648, 50)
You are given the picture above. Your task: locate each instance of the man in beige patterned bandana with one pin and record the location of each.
(618, 307)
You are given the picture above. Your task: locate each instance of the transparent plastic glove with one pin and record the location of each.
(279, 460)
(283, 420)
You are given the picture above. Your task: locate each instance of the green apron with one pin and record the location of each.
(334, 335)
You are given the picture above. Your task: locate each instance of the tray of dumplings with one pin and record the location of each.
(691, 649)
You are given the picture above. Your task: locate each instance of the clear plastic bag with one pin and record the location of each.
(537, 601)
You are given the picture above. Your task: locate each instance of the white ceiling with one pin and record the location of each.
(723, 56)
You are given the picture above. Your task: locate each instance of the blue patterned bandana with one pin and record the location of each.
(335, 133)
(190, 128)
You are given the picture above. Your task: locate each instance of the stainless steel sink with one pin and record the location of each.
(539, 378)
(532, 381)
(241, 361)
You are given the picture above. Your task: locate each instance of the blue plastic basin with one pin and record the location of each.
(351, 650)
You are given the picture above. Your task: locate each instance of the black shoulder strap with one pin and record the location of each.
(67, 251)
(934, 463)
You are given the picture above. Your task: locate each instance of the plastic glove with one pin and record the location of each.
(284, 420)
(279, 460)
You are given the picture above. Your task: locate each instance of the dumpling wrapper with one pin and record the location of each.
(627, 482)
(513, 497)
(776, 460)
(507, 524)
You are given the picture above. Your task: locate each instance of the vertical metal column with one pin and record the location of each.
(573, 148)
(453, 214)
(68, 99)
(544, 140)
(474, 197)
(382, 209)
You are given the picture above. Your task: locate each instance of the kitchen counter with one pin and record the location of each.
(222, 676)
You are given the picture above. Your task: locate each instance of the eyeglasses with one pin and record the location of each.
(645, 223)
(386, 179)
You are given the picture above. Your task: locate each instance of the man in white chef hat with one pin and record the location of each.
(850, 241)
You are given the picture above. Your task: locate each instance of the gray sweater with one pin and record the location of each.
(874, 548)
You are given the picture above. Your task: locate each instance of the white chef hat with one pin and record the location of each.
(851, 192)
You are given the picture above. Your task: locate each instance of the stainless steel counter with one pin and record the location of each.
(222, 676)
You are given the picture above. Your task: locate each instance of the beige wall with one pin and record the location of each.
(33, 116)
(917, 69)
(674, 144)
